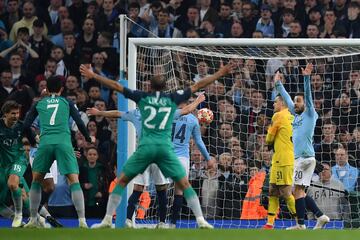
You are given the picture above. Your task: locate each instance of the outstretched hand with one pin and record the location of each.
(277, 76)
(86, 71)
(92, 111)
(307, 71)
(227, 69)
(200, 98)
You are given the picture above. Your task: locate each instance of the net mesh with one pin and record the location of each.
(242, 107)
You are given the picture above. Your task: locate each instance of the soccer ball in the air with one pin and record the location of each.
(205, 116)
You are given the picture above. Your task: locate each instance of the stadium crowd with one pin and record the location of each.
(39, 39)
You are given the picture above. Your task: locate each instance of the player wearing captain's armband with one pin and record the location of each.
(303, 133)
(282, 165)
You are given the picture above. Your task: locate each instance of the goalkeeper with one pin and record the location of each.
(303, 127)
(282, 165)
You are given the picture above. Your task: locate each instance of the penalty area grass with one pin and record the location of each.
(176, 234)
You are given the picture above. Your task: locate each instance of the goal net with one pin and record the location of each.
(234, 193)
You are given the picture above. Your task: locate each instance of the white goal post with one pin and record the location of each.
(163, 52)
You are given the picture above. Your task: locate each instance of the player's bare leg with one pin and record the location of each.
(16, 195)
(113, 202)
(35, 198)
(193, 202)
(77, 197)
(273, 207)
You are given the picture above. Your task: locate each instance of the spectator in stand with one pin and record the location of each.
(331, 200)
(207, 13)
(57, 53)
(352, 86)
(51, 17)
(6, 87)
(209, 189)
(140, 28)
(71, 85)
(164, 29)
(331, 24)
(207, 30)
(324, 151)
(190, 21)
(265, 24)
(202, 71)
(283, 30)
(340, 9)
(249, 19)
(87, 40)
(12, 14)
(223, 26)
(352, 20)
(236, 31)
(50, 70)
(257, 34)
(344, 115)
(71, 54)
(92, 9)
(66, 26)
(295, 30)
(236, 14)
(27, 20)
(105, 19)
(63, 13)
(197, 164)
(356, 141)
(94, 183)
(39, 42)
(218, 145)
(315, 17)
(345, 139)
(229, 199)
(104, 43)
(77, 11)
(343, 171)
(312, 31)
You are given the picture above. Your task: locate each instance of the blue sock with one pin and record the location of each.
(311, 205)
(162, 201)
(178, 201)
(300, 210)
(133, 200)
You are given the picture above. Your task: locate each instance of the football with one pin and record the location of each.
(205, 116)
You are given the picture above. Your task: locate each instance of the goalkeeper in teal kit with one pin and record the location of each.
(157, 112)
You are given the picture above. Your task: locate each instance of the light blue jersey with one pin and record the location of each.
(183, 128)
(134, 117)
(304, 124)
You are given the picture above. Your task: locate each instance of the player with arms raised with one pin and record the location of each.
(303, 132)
(282, 164)
(55, 143)
(157, 112)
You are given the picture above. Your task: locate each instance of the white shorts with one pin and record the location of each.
(186, 163)
(304, 170)
(53, 173)
(153, 172)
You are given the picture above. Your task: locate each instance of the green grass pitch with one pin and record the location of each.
(176, 234)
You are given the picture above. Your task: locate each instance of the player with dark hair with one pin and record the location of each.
(55, 143)
(155, 146)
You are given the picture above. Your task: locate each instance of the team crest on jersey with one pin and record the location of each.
(180, 92)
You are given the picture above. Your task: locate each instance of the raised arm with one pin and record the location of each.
(310, 109)
(29, 119)
(199, 142)
(87, 72)
(224, 70)
(108, 114)
(74, 113)
(285, 95)
(192, 106)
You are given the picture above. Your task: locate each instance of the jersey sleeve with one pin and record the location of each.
(290, 104)
(133, 94)
(177, 114)
(74, 113)
(181, 96)
(199, 142)
(29, 119)
(310, 109)
(128, 116)
(275, 124)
